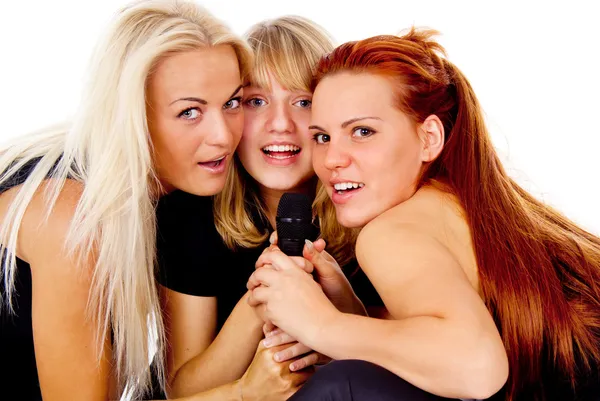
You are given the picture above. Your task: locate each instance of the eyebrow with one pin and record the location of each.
(353, 120)
(346, 123)
(202, 101)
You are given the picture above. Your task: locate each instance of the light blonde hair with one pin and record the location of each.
(287, 48)
(108, 149)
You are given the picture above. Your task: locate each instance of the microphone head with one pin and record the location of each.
(294, 223)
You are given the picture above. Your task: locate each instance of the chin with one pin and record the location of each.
(206, 188)
(281, 182)
(351, 219)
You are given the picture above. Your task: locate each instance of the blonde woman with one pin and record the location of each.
(205, 266)
(162, 111)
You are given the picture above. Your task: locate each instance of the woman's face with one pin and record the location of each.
(276, 147)
(195, 118)
(367, 153)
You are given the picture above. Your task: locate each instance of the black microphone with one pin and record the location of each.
(294, 223)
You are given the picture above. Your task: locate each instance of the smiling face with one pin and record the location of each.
(195, 118)
(368, 154)
(275, 148)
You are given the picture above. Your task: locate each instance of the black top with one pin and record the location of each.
(19, 380)
(194, 260)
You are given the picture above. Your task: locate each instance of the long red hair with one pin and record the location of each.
(539, 272)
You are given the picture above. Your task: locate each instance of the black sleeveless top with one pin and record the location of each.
(19, 380)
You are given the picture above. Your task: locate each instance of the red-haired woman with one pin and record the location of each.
(489, 290)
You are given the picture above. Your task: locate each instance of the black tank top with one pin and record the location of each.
(20, 379)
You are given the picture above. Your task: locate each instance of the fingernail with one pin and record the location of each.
(272, 238)
(293, 366)
(277, 357)
(309, 245)
(267, 342)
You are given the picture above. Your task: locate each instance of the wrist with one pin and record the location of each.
(322, 329)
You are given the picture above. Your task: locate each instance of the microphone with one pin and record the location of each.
(294, 223)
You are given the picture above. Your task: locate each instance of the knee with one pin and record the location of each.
(348, 370)
(339, 380)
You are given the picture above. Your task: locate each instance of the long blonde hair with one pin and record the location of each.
(107, 148)
(288, 48)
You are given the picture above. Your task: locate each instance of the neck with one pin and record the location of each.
(271, 197)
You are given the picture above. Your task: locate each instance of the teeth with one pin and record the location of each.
(281, 148)
(342, 186)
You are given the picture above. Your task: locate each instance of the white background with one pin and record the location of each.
(534, 66)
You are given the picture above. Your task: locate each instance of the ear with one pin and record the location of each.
(432, 136)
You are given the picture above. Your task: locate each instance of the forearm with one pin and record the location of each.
(226, 359)
(434, 354)
(226, 392)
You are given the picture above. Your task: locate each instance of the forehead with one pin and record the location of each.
(196, 72)
(271, 83)
(345, 95)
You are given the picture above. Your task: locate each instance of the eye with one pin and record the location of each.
(255, 102)
(362, 132)
(190, 114)
(304, 103)
(233, 104)
(321, 138)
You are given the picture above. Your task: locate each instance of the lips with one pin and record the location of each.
(283, 151)
(216, 165)
(212, 164)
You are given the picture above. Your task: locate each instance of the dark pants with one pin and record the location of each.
(353, 380)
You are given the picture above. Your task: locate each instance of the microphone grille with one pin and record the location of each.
(298, 206)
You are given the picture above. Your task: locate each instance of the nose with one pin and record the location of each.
(336, 156)
(220, 134)
(280, 119)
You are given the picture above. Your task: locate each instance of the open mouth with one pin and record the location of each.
(213, 163)
(347, 187)
(281, 151)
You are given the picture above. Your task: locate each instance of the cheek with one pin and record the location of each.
(398, 169)
(318, 157)
(248, 143)
(167, 139)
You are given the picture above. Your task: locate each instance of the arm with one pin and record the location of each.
(197, 363)
(231, 367)
(444, 339)
(64, 335)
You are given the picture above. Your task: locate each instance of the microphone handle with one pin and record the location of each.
(291, 246)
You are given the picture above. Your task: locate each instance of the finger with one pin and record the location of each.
(320, 244)
(291, 352)
(264, 256)
(274, 330)
(258, 296)
(262, 276)
(278, 339)
(325, 267)
(255, 278)
(252, 283)
(276, 258)
(304, 264)
(273, 238)
(308, 360)
(270, 329)
(261, 259)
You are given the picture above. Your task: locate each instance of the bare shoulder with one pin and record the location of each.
(410, 235)
(414, 221)
(410, 264)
